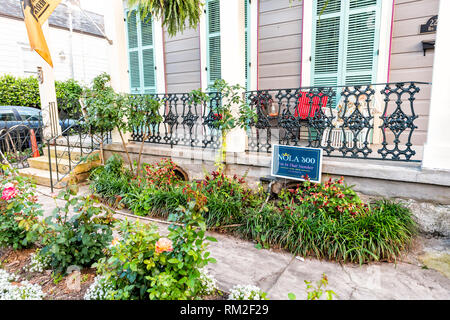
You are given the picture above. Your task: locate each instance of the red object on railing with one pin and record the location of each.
(34, 146)
(304, 105)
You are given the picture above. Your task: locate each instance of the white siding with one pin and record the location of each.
(90, 53)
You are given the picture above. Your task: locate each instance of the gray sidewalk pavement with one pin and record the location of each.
(279, 272)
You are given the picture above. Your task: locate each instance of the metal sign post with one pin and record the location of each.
(47, 93)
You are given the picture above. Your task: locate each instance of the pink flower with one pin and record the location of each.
(9, 193)
(163, 245)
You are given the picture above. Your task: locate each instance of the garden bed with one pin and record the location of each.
(92, 255)
(54, 287)
(325, 221)
(69, 287)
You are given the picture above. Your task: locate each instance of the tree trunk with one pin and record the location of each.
(126, 150)
(138, 171)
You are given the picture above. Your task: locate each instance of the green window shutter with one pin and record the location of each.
(247, 45)
(214, 59)
(345, 42)
(355, 4)
(147, 32)
(135, 75)
(141, 53)
(133, 51)
(132, 30)
(327, 7)
(361, 43)
(326, 51)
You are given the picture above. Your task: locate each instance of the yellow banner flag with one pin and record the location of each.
(36, 12)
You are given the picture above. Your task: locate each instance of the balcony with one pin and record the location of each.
(371, 121)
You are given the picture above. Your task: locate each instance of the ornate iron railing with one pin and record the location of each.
(16, 140)
(72, 147)
(374, 121)
(184, 122)
(371, 121)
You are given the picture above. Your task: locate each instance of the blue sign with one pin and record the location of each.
(297, 162)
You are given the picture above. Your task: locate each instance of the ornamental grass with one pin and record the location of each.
(326, 221)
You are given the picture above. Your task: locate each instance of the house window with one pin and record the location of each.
(141, 53)
(345, 42)
(214, 59)
(29, 61)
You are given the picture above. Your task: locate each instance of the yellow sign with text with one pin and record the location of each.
(36, 12)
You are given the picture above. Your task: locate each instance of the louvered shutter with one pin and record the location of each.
(345, 42)
(361, 43)
(214, 60)
(141, 53)
(148, 57)
(133, 51)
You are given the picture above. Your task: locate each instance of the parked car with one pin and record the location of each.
(22, 119)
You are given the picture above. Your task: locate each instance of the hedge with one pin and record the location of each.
(16, 91)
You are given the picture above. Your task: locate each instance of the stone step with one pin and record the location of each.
(62, 152)
(64, 165)
(42, 177)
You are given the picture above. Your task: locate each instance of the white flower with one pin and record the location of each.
(22, 291)
(209, 283)
(246, 292)
(39, 263)
(8, 185)
(100, 289)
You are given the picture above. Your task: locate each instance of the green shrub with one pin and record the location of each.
(111, 181)
(68, 94)
(16, 91)
(19, 210)
(77, 233)
(19, 91)
(228, 199)
(143, 265)
(147, 200)
(308, 227)
(326, 220)
(160, 192)
(162, 174)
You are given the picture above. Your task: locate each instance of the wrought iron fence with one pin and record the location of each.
(72, 147)
(371, 121)
(16, 140)
(185, 122)
(374, 121)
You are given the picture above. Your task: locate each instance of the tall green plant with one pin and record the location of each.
(176, 15)
(142, 113)
(224, 116)
(103, 109)
(106, 110)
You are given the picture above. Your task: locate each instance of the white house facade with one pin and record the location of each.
(87, 46)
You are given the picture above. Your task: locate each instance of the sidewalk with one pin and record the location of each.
(279, 273)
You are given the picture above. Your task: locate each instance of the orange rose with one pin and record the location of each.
(163, 245)
(115, 241)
